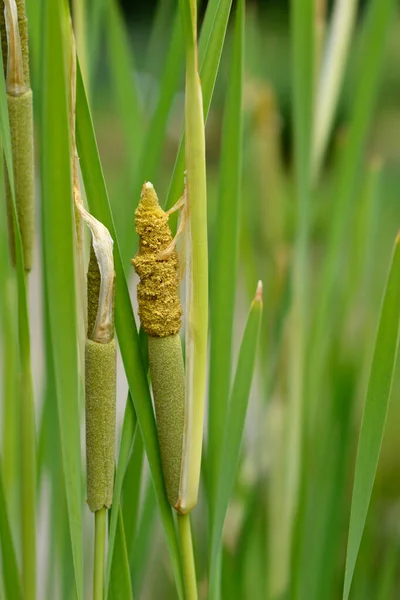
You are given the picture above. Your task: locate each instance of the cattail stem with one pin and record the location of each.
(99, 553)
(19, 99)
(189, 570)
(100, 388)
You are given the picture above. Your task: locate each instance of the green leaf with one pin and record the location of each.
(9, 346)
(234, 430)
(11, 579)
(121, 586)
(225, 258)
(214, 29)
(139, 551)
(96, 21)
(58, 228)
(132, 489)
(303, 66)
(125, 448)
(34, 10)
(375, 412)
(27, 407)
(123, 82)
(124, 319)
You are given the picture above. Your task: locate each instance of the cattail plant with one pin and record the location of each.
(160, 313)
(180, 424)
(100, 387)
(14, 32)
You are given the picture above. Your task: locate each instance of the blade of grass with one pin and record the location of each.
(225, 259)
(343, 20)
(160, 32)
(79, 14)
(34, 11)
(27, 429)
(10, 397)
(234, 431)
(139, 551)
(11, 578)
(58, 233)
(125, 448)
(131, 490)
(123, 82)
(124, 319)
(197, 268)
(213, 31)
(128, 444)
(96, 21)
(303, 63)
(375, 412)
(121, 586)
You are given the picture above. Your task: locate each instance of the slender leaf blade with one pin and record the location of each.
(11, 578)
(58, 254)
(27, 408)
(225, 258)
(121, 586)
(375, 412)
(234, 427)
(124, 82)
(125, 448)
(215, 25)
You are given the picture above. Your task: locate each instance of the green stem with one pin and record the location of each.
(28, 478)
(99, 552)
(189, 571)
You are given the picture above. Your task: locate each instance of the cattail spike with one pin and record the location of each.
(100, 394)
(21, 127)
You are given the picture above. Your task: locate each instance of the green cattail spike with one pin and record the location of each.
(160, 313)
(20, 111)
(168, 382)
(100, 391)
(100, 368)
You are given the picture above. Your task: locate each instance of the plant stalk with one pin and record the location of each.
(99, 553)
(189, 570)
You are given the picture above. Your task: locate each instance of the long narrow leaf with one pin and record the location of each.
(124, 82)
(303, 58)
(11, 578)
(215, 24)
(375, 412)
(234, 427)
(225, 261)
(128, 432)
(27, 408)
(58, 254)
(121, 586)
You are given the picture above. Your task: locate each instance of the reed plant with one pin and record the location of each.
(222, 407)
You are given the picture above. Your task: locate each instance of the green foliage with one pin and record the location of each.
(375, 412)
